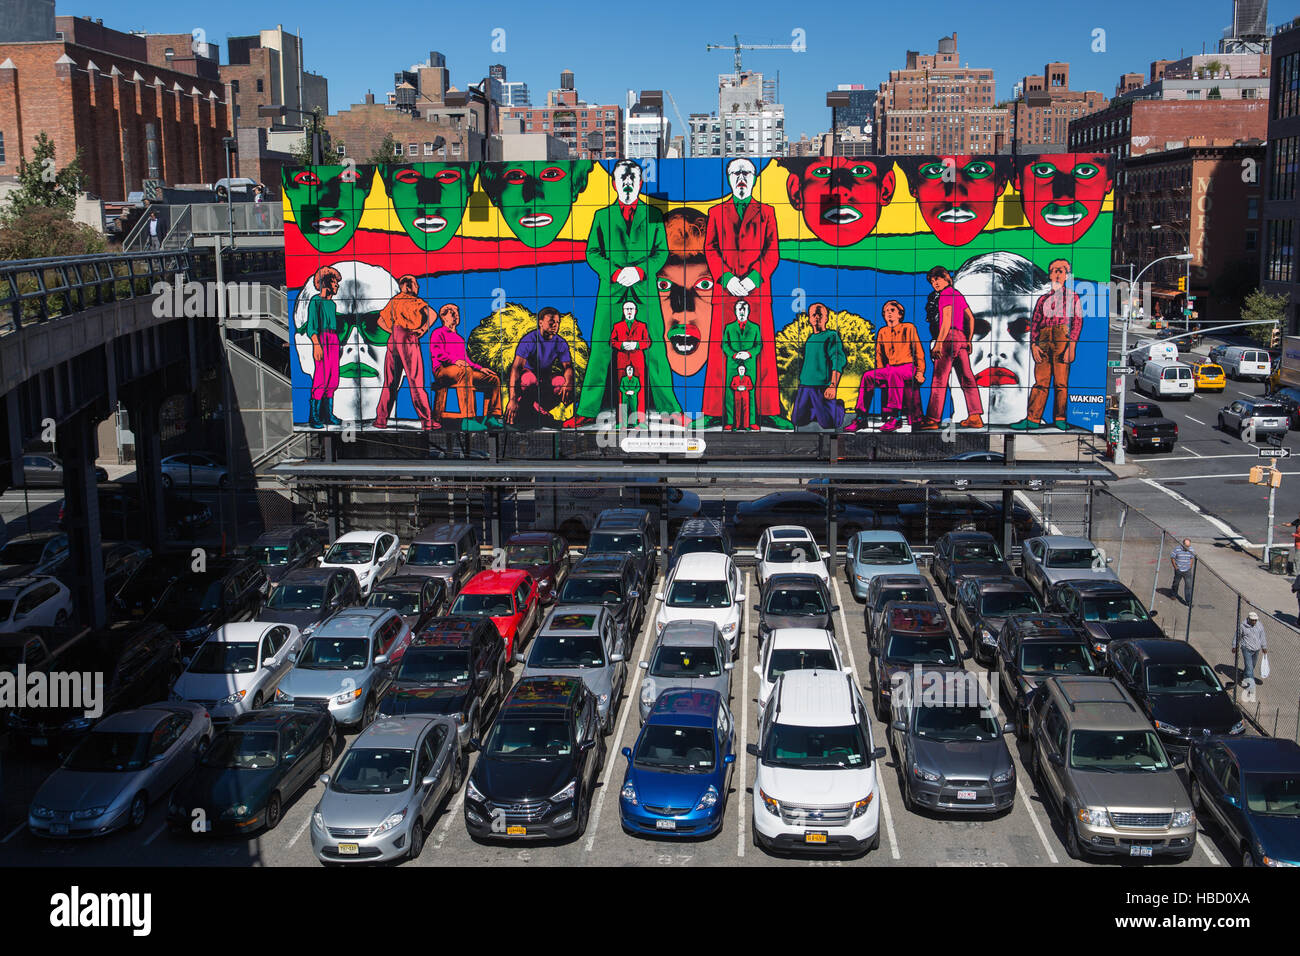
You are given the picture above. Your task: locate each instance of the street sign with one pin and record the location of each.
(1275, 453)
(1123, 370)
(1114, 363)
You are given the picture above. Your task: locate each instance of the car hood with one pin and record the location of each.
(212, 686)
(872, 570)
(75, 790)
(798, 567)
(299, 619)
(817, 787)
(430, 571)
(519, 781)
(1279, 837)
(721, 683)
(427, 699)
(681, 791)
(1135, 790)
(821, 621)
(599, 680)
(718, 615)
(966, 569)
(303, 682)
(360, 810)
(975, 759)
(216, 788)
(1123, 630)
(1075, 574)
(1215, 711)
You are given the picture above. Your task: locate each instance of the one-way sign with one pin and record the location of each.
(1275, 453)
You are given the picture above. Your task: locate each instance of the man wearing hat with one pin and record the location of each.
(1252, 642)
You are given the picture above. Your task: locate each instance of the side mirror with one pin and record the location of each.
(965, 655)
(634, 594)
(846, 671)
(381, 659)
(1010, 728)
(834, 608)
(616, 657)
(729, 665)
(268, 662)
(586, 745)
(899, 725)
(627, 752)
(1152, 613)
(645, 665)
(1177, 760)
(293, 658)
(320, 559)
(1056, 760)
(758, 671)
(658, 597)
(484, 676)
(1110, 561)
(1231, 801)
(156, 759)
(473, 745)
(758, 609)
(325, 779)
(751, 749)
(879, 753)
(728, 760)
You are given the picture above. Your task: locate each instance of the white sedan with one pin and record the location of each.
(238, 668)
(795, 649)
(370, 555)
(704, 587)
(27, 602)
(789, 549)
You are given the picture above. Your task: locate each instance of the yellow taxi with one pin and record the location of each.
(1208, 377)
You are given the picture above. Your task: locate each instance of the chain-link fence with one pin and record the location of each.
(1139, 551)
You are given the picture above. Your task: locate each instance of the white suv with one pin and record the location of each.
(794, 649)
(704, 587)
(789, 549)
(370, 555)
(815, 786)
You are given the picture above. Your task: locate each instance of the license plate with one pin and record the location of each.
(349, 849)
(1139, 851)
(666, 824)
(814, 836)
(59, 829)
(516, 831)
(965, 794)
(40, 742)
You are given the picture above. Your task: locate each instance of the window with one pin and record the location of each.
(2, 148)
(340, 150)
(1279, 256)
(1286, 92)
(397, 149)
(1282, 169)
(259, 86)
(412, 149)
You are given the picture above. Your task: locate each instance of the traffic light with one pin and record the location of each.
(1257, 475)
(1275, 340)
(1182, 283)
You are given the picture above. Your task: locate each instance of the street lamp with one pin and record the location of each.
(835, 99)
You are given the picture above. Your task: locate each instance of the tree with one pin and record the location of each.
(1262, 307)
(41, 185)
(389, 151)
(45, 233)
(302, 152)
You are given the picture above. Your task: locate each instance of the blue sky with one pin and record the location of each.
(614, 47)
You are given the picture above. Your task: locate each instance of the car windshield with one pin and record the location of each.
(1116, 751)
(192, 593)
(591, 591)
(1078, 559)
(426, 665)
(335, 654)
(628, 542)
(794, 601)
(297, 597)
(403, 602)
(1213, 370)
(484, 605)
(375, 771)
(697, 544)
(22, 552)
(713, 594)
(685, 662)
(954, 723)
(527, 555)
(676, 749)
(976, 551)
(431, 555)
(1274, 794)
(815, 748)
(884, 552)
(1271, 411)
(1002, 603)
(516, 739)
(1055, 657)
(359, 552)
(218, 657)
(782, 552)
(921, 649)
(901, 594)
(234, 750)
(103, 751)
(799, 659)
(1170, 679)
(571, 650)
(269, 557)
(1103, 609)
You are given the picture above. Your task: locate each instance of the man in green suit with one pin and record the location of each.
(626, 246)
(742, 344)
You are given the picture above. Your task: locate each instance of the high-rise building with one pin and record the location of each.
(746, 123)
(1279, 272)
(591, 131)
(267, 70)
(646, 131)
(935, 105)
(1044, 107)
(515, 93)
(857, 121)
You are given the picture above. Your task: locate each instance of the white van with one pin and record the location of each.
(1149, 350)
(1164, 379)
(1246, 363)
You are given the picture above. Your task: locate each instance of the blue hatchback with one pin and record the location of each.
(678, 772)
(1250, 786)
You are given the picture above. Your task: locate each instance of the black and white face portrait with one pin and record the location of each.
(740, 177)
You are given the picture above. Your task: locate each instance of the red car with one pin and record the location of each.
(508, 597)
(544, 555)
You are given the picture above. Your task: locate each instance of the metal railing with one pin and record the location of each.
(185, 222)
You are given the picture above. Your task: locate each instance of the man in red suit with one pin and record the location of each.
(741, 247)
(628, 342)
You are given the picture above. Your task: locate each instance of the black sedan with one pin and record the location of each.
(259, 763)
(1107, 610)
(982, 607)
(894, 587)
(1176, 688)
(962, 554)
(795, 600)
(419, 599)
(803, 508)
(306, 597)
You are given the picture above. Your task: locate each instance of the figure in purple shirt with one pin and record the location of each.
(452, 368)
(951, 350)
(541, 375)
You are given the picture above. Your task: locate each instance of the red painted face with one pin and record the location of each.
(956, 196)
(1063, 193)
(841, 197)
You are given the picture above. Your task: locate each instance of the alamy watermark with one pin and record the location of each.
(182, 298)
(63, 690)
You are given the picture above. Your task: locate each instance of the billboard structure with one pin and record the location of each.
(858, 294)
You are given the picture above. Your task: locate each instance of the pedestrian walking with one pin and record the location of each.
(1252, 643)
(1183, 559)
(154, 238)
(1295, 543)
(1295, 589)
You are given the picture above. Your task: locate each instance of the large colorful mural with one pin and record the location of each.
(855, 294)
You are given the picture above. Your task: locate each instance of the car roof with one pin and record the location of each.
(267, 719)
(452, 631)
(574, 619)
(441, 533)
(897, 580)
(1094, 586)
(881, 536)
(1046, 626)
(402, 582)
(369, 537)
(1264, 754)
(902, 616)
(800, 637)
(1065, 541)
(688, 633)
(352, 622)
(794, 579)
(1099, 703)
(690, 708)
(37, 536)
(789, 532)
(614, 518)
(532, 537)
(603, 564)
(311, 575)
(1163, 650)
(702, 566)
(813, 698)
(706, 527)
(140, 721)
(1000, 582)
(970, 536)
(395, 733)
(544, 694)
(239, 632)
(492, 581)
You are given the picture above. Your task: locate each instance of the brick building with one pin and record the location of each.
(96, 90)
(935, 105)
(1042, 112)
(1279, 272)
(591, 131)
(267, 70)
(461, 125)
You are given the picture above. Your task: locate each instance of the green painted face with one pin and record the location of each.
(536, 197)
(327, 202)
(430, 199)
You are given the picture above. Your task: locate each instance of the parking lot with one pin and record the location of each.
(1026, 836)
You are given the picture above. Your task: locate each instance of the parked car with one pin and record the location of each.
(195, 604)
(544, 555)
(1217, 352)
(586, 640)
(1145, 427)
(1047, 560)
(348, 664)
(982, 607)
(31, 601)
(794, 649)
(238, 668)
(611, 580)
(704, 587)
(42, 552)
(908, 588)
(1250, 788)
(306, 597)
(127, 761)
(390, 786)
(870, 553)
(539, 764)
(509, 598)
(795, 600)
(961, 554)
(1174, 686)
(687, 655)
(1033, 648)
(1106, 610)
(140, 594)
(908, 634)
(1289, 398)
(699, 535)
(951, 754)
(123, 560)
(193, 469)
(447, 551)
(42, 471)
(679, 770)
(803, 509)
(1100, 765)
(454, 667)
(257, 765)
(815, 782)
(288, 548)
(417, 598)
(628, 531)
(1259, 415)
(370, 555)
(788, 549)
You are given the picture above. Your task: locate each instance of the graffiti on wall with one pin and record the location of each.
(813, 293)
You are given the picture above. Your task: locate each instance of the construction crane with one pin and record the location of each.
(686, 130)
(738, 46)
